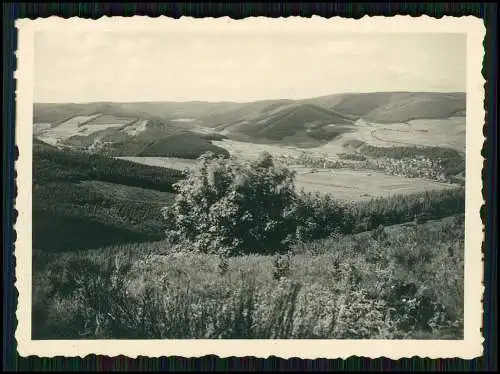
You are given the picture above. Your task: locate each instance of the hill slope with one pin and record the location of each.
(387, 107)
(87, 201)
(59, 112)
(382, 107)
(151, 137)
(300, 122)
(396, 106)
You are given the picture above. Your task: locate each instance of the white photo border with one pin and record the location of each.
(468, 348)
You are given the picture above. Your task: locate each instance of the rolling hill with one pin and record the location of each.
(388, 107)
(88, 201)
(307, 122)
(182, 145)
(300, 123)
(117, 136)
(380, 107)
(59, 112)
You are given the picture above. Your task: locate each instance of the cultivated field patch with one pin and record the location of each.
(66, 129)
(344, 184)
(89, 129)
(165, 162)
(40, 127)
(183, 120)
(79, 125)
(252, 150)
(356, 185)
(448, 133)
(136, 127)
(107, 119)
(79, 120)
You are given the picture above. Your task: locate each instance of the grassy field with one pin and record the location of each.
(248, 150)
(448, 133)
(82, 125)
(165, 162)
(403, 283)
(344, 184)
(355, 185)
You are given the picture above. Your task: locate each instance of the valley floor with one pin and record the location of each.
(344, 184)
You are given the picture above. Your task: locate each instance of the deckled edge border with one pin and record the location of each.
(484, 169)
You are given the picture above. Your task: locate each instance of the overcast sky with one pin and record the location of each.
(124, 67)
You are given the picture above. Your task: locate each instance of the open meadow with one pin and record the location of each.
(448, 133)
(398, 283)
(165, 162)
(353, 185)
(344, 184)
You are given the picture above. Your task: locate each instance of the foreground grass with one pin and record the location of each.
(403, 282)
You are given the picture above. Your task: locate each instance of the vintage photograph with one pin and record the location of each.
(251, 183)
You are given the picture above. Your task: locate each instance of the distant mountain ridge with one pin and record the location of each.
(305, 121)
(355, 104)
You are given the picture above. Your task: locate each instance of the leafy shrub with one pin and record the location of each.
(95, 294)
(223, 265)
(319, 216)
(379, 234)
(281, 267)
(244, 207)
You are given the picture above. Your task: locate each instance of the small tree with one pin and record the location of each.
(241, 206)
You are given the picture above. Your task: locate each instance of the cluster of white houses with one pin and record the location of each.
(414, 167)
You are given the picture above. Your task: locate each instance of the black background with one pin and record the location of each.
(11, 11)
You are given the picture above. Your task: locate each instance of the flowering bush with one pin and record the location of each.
(238, 207)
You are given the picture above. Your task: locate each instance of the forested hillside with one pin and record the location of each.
(85, 201)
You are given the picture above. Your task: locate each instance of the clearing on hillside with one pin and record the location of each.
(447, 133)
(355, 185)
(81, 126)
(164, 162)
(344, 184)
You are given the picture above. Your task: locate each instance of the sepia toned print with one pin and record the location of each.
(291, 187)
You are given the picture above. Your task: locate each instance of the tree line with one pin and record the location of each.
(222, 203)
(242, 207)
(51, 164)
